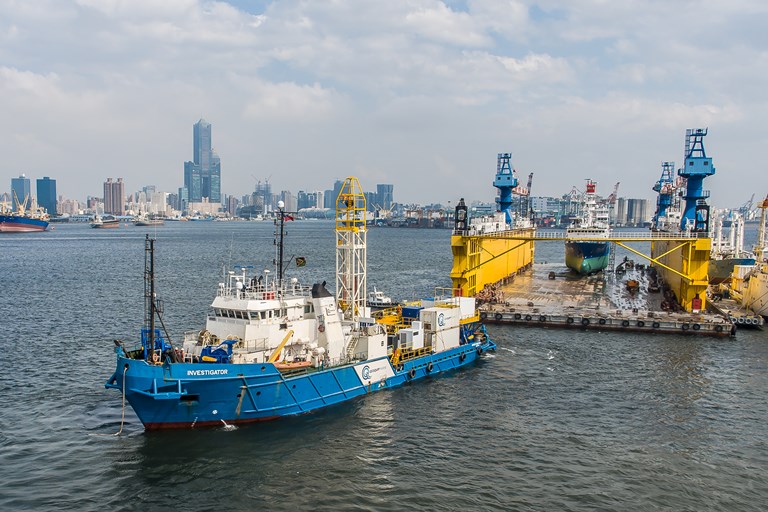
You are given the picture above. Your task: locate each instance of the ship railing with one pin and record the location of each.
(614, 236)
(482, 232)
(407, 354)
(259, 293)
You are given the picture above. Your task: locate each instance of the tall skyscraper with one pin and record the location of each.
(20, 192)
(202, 176)
(384, 194)
(46, 195)
(114, 196)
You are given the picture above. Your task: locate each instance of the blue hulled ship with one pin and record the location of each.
(585, 250)
(22, 220)
(274, 348)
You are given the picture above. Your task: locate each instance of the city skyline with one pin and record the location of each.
(629, 211)
(423, 98)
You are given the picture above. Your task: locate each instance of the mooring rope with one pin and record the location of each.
(122, 417)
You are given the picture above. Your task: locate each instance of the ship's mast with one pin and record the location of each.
(149, 293)
(279, 240)
(351, 252)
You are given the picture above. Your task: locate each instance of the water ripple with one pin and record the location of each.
(555, 420)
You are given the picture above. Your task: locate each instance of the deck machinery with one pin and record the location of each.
(483, 250)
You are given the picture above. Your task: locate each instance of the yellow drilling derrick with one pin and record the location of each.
(351, 231)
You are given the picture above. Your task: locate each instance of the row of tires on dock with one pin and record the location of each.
(613, 323)
(745, 320)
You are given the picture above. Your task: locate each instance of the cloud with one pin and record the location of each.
(439, 23)
(417, 93)
(288, 102)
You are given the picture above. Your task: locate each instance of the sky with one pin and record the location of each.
(421, 94)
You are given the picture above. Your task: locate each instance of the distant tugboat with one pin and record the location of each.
(584, 252)
(377, 299)
(274, 348)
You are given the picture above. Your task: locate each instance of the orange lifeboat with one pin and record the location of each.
(296, 365)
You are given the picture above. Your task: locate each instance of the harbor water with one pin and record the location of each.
(554, 420)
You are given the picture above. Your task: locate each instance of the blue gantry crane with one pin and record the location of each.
(666, 190)
(696, 167)
(505, 181)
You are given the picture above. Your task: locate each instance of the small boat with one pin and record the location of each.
(292, 365)
(377, 299)
(632, 286)
(272, 348)
(107, 221)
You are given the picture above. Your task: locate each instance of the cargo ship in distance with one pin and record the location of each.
(584, 252)
(273, 347)
(22, 220)
(106, 222)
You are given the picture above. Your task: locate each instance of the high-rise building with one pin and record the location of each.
(621, 212)
(384, 195)
(114, 196)
(370, 201)
(289, 200)
(232, 204)
(312, 199)
(46, 195)
(637, 212)
(183, 199)
(20, 192)
(262, 196)
(202, 176)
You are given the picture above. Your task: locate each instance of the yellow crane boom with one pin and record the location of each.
(279, 348)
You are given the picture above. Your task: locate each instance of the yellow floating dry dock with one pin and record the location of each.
(682, 259)
(683, 264)
(483, 259)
